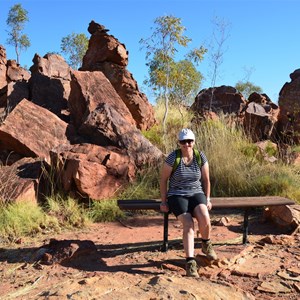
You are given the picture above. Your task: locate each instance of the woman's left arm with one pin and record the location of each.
(206, 183)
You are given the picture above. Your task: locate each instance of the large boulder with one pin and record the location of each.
(127, 88)
(89, 90)
(287, 216)
(289, 103)
(15, 85)
(93, 171)
(105, 53)
(32, 131)
(15, 72)
(103, 47)
(20, 180)
(261, 116)
(50, 84)
(223, 99)
(109, 128)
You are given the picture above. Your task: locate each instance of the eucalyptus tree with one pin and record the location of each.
(16, 20)
(74, 46)
(161, 49)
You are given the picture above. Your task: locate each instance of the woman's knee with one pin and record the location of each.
(201, 211)
(187, 221)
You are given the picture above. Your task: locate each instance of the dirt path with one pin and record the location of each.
(127, 264)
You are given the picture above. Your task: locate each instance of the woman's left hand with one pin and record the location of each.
(209, 205)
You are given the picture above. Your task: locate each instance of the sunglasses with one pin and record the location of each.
(183, 142)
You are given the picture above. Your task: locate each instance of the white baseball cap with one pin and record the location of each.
(186, 134)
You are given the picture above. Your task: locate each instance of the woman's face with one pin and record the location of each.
(185, 144)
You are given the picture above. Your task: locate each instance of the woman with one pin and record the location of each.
(185, 192)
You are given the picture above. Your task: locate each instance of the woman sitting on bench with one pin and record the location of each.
(185, 191)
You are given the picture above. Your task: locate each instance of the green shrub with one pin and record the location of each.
(105, 211)
(23, 219)
(146, 185)
(67, 211)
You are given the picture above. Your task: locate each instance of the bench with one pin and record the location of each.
(245, 203)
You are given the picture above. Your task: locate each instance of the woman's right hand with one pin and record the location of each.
(164, 207)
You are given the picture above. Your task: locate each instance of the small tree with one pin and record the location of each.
(17, 17)
(75, 46)
(160, 54)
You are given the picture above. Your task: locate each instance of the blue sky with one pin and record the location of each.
(263, 42)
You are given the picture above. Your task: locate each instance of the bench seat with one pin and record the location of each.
(245, 203)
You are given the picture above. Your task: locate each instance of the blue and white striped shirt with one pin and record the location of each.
(186, 180)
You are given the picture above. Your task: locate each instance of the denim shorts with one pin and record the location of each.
(182, 204)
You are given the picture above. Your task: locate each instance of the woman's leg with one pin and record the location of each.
(202, 216)
(188, 233)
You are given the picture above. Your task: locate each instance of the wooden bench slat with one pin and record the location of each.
(217, 202)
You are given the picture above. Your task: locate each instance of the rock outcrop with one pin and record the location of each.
(261, 116)
(258, 115)
(50, 84)
(223, 99)
(75, 123)
(32, 131)
(3, 67)
(289, 102)
(105, 53)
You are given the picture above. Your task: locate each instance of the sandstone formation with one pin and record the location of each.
(285, 216)
(105, 53)
(289, 102)
(74, 123)
(3, 61)
(20, 180)
(261, 116)
(50, 84)
(32, 131)
(223, 99)
(258, 115)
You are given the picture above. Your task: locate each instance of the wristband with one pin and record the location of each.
(208, 199)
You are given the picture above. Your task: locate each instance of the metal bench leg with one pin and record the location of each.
(166, 229)
(246, 226)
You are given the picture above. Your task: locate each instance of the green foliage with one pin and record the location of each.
(17, 17)
(179, 117)
(237, 168)
(67, 211)
(186, 81)
(23, 219)
(271, 150)
(164, 73)
(278, 179)
(247, 88)
(250, 150)
(146, 186)
(105, 211)
(75, 46)
(223, 146)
